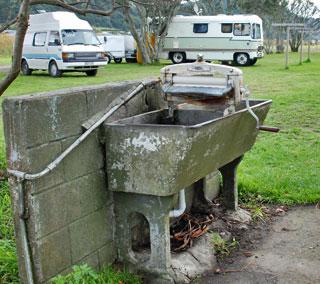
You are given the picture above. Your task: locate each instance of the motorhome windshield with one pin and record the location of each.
(256, 31)
(86, 37)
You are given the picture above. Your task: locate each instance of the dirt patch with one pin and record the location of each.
(282, 249)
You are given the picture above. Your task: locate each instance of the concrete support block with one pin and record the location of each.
(211, 185)
(229, 184)
(156, 210)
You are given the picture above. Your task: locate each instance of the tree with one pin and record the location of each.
(81, 7)
(154, 19)
(300, 11)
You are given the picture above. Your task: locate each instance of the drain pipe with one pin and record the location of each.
(182, 205)
(23, 233)
(21, 176)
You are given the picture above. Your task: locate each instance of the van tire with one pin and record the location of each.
(253, 61)
(117, 60)
(178, 57)
(242, 59)
(53, 70)
(109, 59)
(25, 70)
(92, 73)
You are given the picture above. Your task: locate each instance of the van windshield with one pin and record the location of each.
(86, 37)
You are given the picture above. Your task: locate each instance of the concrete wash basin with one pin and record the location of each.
(158, 155)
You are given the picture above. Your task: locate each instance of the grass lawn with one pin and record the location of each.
(5, 60)
(281, 168)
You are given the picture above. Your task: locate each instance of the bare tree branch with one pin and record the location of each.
(73, 8)
(8, 24)
(22, 26)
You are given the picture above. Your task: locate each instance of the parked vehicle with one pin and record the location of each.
(114, 45)
(237, 38)
(61, 42)
(130, 49)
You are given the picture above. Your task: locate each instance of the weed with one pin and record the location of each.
(8, 262)
(6, 45)
(83, 274)
(221, 246)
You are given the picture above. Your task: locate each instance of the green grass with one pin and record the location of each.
(284, 167)
(83, 274)
(5, 60)
(281, 168)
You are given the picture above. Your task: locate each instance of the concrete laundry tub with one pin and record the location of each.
(152, 156)
(156, 154)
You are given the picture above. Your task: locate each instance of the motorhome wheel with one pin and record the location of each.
(242, 59)
(54, 70)
(25, 68)
(117, 60)
(92, 73)
(178, 57)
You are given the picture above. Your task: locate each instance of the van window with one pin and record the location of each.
(256, 31)
(54, 39)
(241, 29)
(39, 39)
(226, 28)
(200, 28)
(70, 37)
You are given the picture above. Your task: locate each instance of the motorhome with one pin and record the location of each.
(61, 42)
(237, 38)
(113, 45)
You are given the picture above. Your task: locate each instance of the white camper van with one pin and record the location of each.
(113, 44)
(61, 42)
(237, 38)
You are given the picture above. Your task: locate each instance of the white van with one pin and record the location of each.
(237, 38)
(114, 44)
(61, 42)
(130, 49)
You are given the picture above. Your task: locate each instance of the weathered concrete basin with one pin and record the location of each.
(159, 155)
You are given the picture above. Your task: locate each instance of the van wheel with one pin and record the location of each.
(178, 57)
(242, 59)
(117, 60)
(92, 73)
(54, 70)
(25, 68)
(253, 61)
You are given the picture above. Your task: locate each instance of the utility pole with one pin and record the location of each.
(288, 26)
(301, 47)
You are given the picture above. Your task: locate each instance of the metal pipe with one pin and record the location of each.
(182, 205)
(59, 159)
(23, 233)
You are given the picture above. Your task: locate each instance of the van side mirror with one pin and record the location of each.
(57, 42)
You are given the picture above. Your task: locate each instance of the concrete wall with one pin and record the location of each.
(69, 213)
